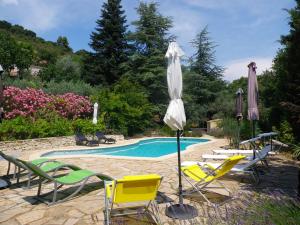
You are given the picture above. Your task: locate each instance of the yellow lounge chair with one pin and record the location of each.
(132, 189)
(206, 174)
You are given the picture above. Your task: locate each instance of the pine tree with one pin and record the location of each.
(109, 44)
(147, 63)
(287, 67)
(203, 81)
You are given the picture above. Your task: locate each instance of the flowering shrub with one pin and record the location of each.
(28, 102)
(72, 106)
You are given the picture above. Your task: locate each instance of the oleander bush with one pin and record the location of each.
(29, 101)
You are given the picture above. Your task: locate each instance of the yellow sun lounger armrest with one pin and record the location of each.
(134, 188)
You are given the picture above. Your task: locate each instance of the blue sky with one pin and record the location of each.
(244, 30)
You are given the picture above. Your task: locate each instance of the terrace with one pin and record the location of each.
(18, 206)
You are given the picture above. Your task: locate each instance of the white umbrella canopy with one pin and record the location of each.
(95, 113)
(175, 115)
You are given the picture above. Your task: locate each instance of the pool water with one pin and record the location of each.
(154, 147)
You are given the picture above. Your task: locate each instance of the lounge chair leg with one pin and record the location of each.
(40, 187)
(55, 193)
(68, 197)
(18, 175)
(15, 173)
(8, 169)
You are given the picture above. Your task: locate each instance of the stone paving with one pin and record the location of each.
(18, 206)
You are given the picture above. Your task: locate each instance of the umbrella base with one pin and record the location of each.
(181, 211)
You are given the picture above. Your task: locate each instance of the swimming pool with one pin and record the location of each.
(154, 147)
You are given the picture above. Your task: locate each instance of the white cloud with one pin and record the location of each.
(238, 68)
(9, 2)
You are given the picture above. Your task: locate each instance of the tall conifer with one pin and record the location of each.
(109, 44)
(150, 41)
(287, 67)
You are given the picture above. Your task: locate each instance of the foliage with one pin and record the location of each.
(274, 209)
(66, 68)
(150, 42)
(296, 151)
(27, 102)
(49, 124)
(63, 42)
(26, 128)
(286, 133)
(77, 87)
(14, 53)
(126, 107)
(231, 131)
(52, 87)
(87, 126)
(287, 67)
(109, 44)
(44, 51)
(203, 82)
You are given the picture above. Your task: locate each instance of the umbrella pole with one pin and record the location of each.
(179, 168)
(180, 211)
(253, 136)
(239, 129)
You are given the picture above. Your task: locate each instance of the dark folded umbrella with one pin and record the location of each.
(239, 104)
(252, 93)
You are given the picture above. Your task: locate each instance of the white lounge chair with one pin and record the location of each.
(246, 168)
(261, 154)
(252, 143)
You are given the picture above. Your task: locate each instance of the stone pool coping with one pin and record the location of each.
(189, 149)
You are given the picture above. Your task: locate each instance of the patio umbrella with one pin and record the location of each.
(253, 114)
(175, 119)
(95, 113)
(239, 109)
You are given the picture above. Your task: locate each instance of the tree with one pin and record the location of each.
(109, 44)
(63, 42)
(287, 68)
(147, 63)
(13, 53)
(66, 68)
(203, 81)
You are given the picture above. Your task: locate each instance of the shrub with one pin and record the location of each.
(26, 128)
(29, 101)
(126, 107)
(286, 133)
(231, 131)
(25, 102)
(72, 106)
(76, 87)
(87, 127)
(49, 125)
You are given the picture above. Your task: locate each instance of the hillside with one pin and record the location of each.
(44, 51)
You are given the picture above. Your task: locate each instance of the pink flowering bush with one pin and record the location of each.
(29, 102)
(72, 106)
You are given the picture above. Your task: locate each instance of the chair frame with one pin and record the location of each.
(57, 185)
(202, 184)
(109, 205)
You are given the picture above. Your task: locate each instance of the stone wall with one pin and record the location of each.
(43, 143)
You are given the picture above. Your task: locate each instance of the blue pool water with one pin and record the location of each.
(154, 147)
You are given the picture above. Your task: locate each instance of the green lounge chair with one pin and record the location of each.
(47, 165)
(80, 176)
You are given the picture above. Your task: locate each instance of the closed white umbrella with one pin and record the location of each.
(95, 113)
(176, 120)
(175, 115)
